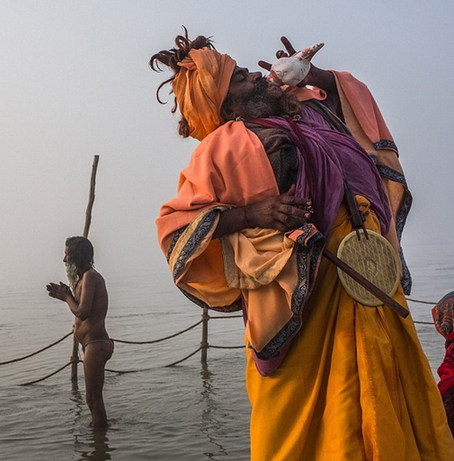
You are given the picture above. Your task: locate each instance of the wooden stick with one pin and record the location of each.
(204, 342)
(91, 198)
(380, 294)
(91, 201)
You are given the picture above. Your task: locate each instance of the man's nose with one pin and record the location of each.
(256, 76)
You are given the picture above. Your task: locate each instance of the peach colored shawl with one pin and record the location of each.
(219, 173)
(362, 106)
(257, 265)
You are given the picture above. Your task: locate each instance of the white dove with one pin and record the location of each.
(293, 69)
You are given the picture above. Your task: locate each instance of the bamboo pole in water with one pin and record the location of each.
(91, 201)
(204, 342)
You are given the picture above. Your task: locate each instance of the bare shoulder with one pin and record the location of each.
(93, 276)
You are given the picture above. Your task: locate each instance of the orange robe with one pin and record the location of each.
(355, 384)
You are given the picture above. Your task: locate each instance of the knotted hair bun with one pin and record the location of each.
(171, 58)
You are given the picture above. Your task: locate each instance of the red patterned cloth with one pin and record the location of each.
(443, 315)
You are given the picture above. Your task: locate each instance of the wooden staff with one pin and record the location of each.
(91, 200)
(204, 342)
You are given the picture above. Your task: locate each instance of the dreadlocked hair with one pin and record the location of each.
(171, 58)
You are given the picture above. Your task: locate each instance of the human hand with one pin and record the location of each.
(283, 212)
(280, 53)
(58, 291)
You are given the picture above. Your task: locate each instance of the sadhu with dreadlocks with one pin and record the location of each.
(327, 377)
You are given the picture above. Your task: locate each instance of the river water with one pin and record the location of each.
(187, 412)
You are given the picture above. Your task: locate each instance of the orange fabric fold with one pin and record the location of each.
(236, 152)
(306, 93)
(363, 107)
(255, 263)
(200, 88)
(262, 263)
(203, 275)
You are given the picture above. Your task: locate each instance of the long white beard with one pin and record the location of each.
(71, 273)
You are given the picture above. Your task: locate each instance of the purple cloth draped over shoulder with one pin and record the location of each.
(327, 160)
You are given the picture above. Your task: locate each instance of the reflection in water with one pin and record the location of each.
(210, 415)
(96, 447)
(78, 400)
(92, 445)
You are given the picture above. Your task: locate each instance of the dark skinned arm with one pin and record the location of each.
(81, 309)
(283, 212)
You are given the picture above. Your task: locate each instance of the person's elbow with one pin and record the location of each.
(83, 314)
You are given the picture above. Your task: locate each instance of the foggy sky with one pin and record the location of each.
(75, 81)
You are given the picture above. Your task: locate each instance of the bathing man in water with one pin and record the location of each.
(87, 299)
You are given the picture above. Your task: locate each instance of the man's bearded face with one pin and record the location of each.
(265, 100)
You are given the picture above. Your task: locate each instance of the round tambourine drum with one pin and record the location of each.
(375, 259)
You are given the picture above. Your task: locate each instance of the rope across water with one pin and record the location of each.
(75, 360)
(37, 352)
(161, 339)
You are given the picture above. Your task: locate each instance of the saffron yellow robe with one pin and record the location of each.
(354, 386)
